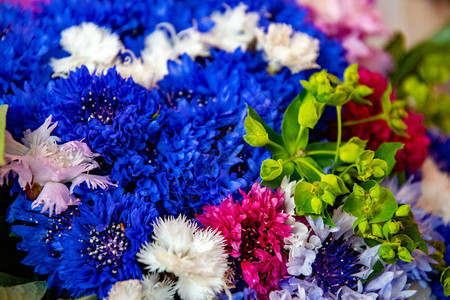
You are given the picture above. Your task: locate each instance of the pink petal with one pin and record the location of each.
(41, 135)
(55, 197)
(92, 181)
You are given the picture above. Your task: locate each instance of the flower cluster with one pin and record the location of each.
(166, 150)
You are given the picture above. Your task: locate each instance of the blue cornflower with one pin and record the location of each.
(24, 49)
(23, 104)
(116, 117)
(41, 236)
(100, 248)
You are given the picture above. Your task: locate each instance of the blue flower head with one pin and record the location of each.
(24, 49)
(115, 117)
(41, 236)
(100, 248)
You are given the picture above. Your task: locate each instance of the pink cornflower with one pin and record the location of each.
(254, 230)
(43, 167)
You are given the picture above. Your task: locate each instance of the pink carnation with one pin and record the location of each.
(254, 230)
(44, 167)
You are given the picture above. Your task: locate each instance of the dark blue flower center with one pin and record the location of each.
(61, 223)
(101, 106)
(335, 265)
(107, 247)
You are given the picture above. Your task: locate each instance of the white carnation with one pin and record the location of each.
(196, 256)
(95, 47)
(285, 48)
(233, 29)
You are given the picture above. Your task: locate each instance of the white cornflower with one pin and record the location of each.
(153, 289)
(196, 256)
(42, 163)
(285, 48)
(233, 29)
(126, 290)
(95, 47)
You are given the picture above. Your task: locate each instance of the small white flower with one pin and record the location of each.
(95, 47)
(153, 289)
(233, 29)
(196, 256)
(41, 161)
(126, 290)
(285, 48)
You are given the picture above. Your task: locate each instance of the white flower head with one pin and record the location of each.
(128, 289)
(233, 29)
(41, 162)
(285, 48)
(162, 45)
(154, 289)
(196, 256)
(95, 47)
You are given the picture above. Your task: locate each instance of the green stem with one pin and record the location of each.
(276, 145)
(347, 169)
(339, 137)
(381, 116)
(320, 152)
(299, 136)
(303, 161)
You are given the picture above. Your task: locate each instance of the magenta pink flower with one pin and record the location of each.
(254, 230)
(46, 166)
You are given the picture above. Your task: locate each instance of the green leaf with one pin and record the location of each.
(308, 169)
(271, 169)
(396, 47)
(256, 133)
(384, 207)
(355, 202)
(310, 111)
(387, 153)
(377, 269)
(411, 229)
(386, 103)
(291, 127)
(9, 280)
(336, 183)
(28, 291)
(349, 152)
(388, 254)
(3, 110)
(445, 281)
(302, 198)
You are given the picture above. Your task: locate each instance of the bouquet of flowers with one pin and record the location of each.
(220, 150)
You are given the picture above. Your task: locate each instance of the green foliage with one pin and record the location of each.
(14, 288)
(350, 151)
(445, 281)
(418, 73)
(3, 110)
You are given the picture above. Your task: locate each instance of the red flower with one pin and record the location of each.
(377, 132)
(254, 231)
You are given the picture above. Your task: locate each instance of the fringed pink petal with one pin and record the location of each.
(80, 147)
(18, 168)
(92, 181)
(13, 147)
(55, 197)
(41, 135)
